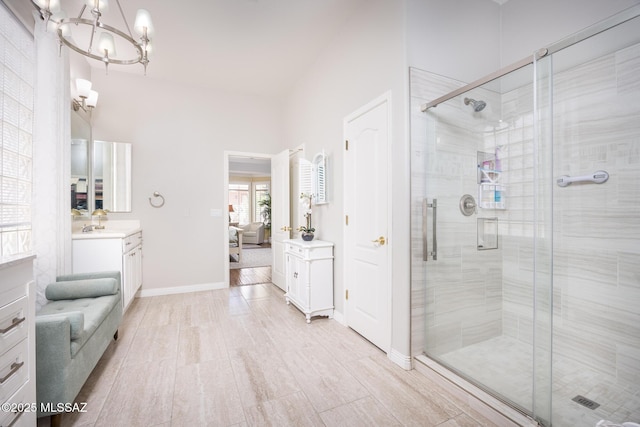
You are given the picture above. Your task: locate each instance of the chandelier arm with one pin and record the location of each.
(126, 24)
(109, 28)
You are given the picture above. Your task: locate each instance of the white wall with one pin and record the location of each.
(528, 26)
(457, 39)
(364, 60)
(178, 135)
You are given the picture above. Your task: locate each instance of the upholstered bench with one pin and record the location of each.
(73, 330)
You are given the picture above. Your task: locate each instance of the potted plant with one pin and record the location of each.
(307, 230)
(265, 212)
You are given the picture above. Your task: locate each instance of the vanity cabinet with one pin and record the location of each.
(108, 251)
(309, 276)
(17, 344)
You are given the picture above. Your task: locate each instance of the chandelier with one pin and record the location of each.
(91, 37)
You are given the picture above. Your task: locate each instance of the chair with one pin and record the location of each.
(235, 241)
(253, 233)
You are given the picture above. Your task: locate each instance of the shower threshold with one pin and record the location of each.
(490, 407)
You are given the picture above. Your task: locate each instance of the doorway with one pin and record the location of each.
(248, 190)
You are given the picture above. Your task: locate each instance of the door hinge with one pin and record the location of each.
(346, 294)
(346, 220)
(346, 145)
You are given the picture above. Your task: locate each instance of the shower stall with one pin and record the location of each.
(526, 227)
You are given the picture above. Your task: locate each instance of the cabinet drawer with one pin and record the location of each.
(14, 371)
(131, 242)
(13, 324)
(20, 402)
(308, 252)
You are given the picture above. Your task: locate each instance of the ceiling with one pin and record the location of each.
(256, 47)
(243, 46)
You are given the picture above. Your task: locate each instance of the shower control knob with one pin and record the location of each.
(468, 205)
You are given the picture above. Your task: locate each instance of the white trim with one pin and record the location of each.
(386, 97)
(339, 317)
(143, 293)
(400, 359)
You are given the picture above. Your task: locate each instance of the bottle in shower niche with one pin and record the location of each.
(497, 197)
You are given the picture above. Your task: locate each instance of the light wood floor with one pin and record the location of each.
(242, 357)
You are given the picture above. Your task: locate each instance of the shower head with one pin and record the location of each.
(477, 105)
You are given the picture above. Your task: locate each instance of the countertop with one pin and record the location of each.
(112, 230)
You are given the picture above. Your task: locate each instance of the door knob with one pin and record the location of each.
(380, 240)
(286, 228)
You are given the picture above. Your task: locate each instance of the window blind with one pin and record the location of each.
(17, 65)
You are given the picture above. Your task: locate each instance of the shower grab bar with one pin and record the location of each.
(425, 230)
(598, 177)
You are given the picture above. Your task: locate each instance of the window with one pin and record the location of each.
(245, 198)
(17, 64)
(260, 193)
(239, 199)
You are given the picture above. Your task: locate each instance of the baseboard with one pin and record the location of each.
(400, 359)
(339, 317)
(180, 289)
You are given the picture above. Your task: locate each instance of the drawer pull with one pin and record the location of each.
(14, 323)
(14, 369)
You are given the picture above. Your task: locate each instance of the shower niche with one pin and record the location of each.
(491, 194)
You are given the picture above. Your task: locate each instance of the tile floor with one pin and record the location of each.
(510, 373)
(242, 357)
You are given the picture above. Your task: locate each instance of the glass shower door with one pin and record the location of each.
(479, 228)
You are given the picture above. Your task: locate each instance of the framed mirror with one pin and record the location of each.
(319, 172)
(112, 176)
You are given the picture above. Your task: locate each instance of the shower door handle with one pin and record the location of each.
(425, 230)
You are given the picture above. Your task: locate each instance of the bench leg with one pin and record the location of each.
(115, 336)
(56, 420)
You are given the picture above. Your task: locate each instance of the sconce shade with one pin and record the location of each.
(92, 99)
(83, 87)
(143, 20)
(107, 45)
(231, 208)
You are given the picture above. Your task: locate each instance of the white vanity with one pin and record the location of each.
(117, 247)
(309, 276)
(17, 343)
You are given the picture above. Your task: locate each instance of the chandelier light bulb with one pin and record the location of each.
(107, 45)
(100, 5)
(52, 6)
(83, 87)
(142, 22)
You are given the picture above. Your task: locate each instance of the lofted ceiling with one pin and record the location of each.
(244, 46)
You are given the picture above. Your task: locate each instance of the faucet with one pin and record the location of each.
(87, 228)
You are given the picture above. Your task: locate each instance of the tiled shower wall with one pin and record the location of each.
(596, 240)
(597, 227)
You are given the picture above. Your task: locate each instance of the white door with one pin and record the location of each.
(367, 281)
(280, 222)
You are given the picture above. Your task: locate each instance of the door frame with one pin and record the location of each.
(384, 98)
(225, 220)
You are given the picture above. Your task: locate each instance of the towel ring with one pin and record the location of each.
(156, 194)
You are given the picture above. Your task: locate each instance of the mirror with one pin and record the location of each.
(80, 138)
(319, 167)
(112, 176)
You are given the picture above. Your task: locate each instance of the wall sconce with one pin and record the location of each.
(99, 213)
(88, 97)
